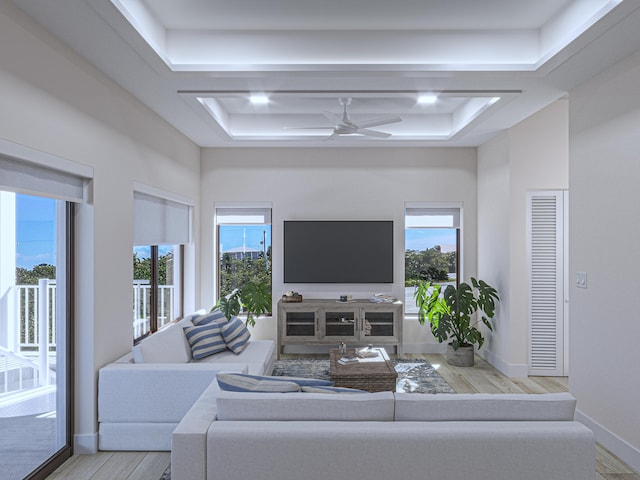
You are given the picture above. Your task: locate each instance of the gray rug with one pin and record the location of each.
(413, 377)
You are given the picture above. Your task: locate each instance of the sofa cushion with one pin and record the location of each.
(235, 334)
(484, 406)
(205, 339)
(306, 406)
(214, 315)
(237, 382)
(168, 345)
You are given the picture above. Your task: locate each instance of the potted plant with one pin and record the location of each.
(253, 298)
(449, 314)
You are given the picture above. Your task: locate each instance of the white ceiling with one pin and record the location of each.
(490, 63)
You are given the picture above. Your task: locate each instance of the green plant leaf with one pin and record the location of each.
(256, 299)
(230, 305)
(449, 313)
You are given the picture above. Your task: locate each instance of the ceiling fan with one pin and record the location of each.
(344, 126)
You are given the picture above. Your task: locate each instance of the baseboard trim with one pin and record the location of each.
(85, 444)
(511, 370)
(619, 447)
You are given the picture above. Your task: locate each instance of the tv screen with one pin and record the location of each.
(338, 252)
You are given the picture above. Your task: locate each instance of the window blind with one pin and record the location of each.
(243, 216)
(22, 176)
(421, 217)
(160, 221)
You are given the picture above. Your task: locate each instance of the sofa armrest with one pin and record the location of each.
(189, 439)
(154, 392)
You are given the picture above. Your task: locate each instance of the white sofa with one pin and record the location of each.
(145, 394)
(283, 436)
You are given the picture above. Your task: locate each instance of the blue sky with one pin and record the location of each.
(251, 236)
(421, 238)
(35, 231)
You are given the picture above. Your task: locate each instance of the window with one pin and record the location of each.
(243, 247)
(432, 248)
(161, 229)
(157, 287)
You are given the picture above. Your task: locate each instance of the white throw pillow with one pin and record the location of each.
(168, 345)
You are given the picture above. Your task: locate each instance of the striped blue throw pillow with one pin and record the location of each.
(205, 340)
(324, 389)
(239, 382)
(243, 382)
(306, 382)
(236, 335)
(211, 317)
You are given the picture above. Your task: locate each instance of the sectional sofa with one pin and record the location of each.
(315, 436)
(143, 395)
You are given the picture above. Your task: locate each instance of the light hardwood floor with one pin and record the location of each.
(482, 378)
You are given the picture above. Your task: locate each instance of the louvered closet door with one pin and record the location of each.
(546, 260)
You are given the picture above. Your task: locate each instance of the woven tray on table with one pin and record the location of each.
(377, 376)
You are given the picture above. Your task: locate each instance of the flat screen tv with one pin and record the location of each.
(338, 252)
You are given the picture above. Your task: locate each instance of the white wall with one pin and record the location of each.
(604, 234)
(493, 239)
(7, 269)
(54, 101)
(532, 155)
(338, 184)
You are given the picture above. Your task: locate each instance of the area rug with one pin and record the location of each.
(413, 377)
(167, 474)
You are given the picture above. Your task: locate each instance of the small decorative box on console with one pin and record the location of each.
(293, 298)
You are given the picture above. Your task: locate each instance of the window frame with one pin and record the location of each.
(237, 211)
(436, 209)
(154, 290)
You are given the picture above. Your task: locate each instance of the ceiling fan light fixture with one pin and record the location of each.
(259, 99)
(427, 99)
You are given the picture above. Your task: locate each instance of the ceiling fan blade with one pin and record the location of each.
(379, 121)
(332, 117)
(324, 127)
(332, 136)
(372, 133)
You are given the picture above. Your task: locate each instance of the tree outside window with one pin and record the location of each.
(244, 248)
(432, 249)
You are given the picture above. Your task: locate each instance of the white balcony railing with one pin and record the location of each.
(29, 309)
(35, 326)
(142, 307)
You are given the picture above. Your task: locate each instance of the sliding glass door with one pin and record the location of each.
(35, 297)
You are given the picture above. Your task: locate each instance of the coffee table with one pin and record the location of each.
(372, 375)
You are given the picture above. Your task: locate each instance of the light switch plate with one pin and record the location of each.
(581, 279)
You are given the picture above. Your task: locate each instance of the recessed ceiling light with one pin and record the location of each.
(259, 99)
(427, 99)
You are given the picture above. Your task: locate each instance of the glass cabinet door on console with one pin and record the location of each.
(301, 323)
(340, 323)
(377, 324)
